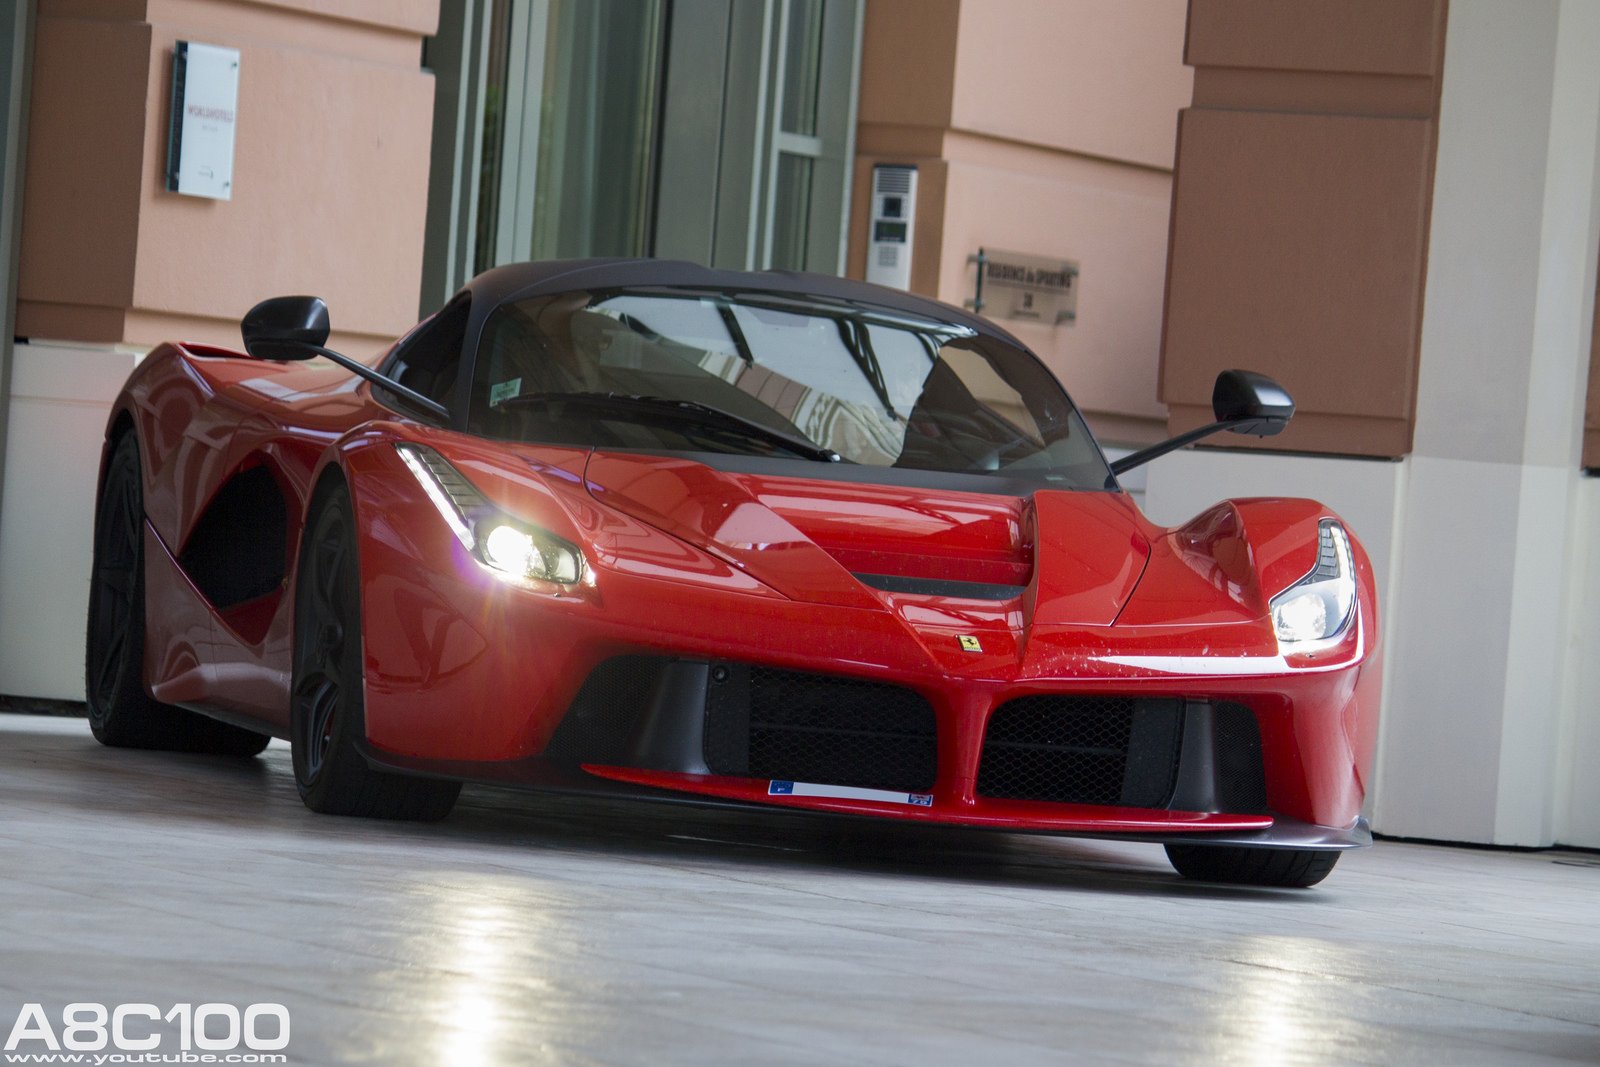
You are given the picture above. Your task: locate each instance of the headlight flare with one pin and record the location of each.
(505, 547)
(1315, 611)
(518, 551)
(511, 550)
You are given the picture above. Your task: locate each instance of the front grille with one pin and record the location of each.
(762, 722)
(1082, 750)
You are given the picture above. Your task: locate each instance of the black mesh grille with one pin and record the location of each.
(602, 716)
(767, 723)
(1241, 779)
(1082, 750)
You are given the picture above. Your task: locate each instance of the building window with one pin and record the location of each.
(797, 146)
(719, 131)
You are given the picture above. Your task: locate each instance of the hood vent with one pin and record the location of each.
(894, 583)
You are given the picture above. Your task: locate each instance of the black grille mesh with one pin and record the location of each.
(762, 722)
(1241, 777)
(1082, 750)
(601, 718)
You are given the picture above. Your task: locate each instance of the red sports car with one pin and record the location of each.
(759, 538)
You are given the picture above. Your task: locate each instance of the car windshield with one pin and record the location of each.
(802, 377)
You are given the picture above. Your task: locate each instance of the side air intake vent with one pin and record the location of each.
(237, 550)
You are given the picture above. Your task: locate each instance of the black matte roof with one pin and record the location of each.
(518, 281)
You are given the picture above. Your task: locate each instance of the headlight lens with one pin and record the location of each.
(529, 552)
(505, 546)
(511, 550)
(1319, 607)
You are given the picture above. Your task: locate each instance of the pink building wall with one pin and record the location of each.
(1043, 127)
(330, 170)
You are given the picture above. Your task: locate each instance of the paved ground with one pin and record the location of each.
(530, 930)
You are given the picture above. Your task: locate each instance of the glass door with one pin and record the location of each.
(758, 133)
(718, 131)
(569, 142)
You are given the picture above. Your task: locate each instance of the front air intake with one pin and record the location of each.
(762, 722)
(1083, 750)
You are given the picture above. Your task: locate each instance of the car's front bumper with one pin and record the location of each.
(470, 677)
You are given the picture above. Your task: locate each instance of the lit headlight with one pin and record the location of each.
(1319, 606)
(505, 546)
(529, 552)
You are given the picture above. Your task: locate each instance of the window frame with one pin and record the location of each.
(465, 365)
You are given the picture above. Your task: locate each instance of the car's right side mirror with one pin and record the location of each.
(1242, 401)
(1251, 403)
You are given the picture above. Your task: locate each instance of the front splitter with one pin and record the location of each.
(1011, 816)
(1017, 816)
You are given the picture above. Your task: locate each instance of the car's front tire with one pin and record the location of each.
(326, 712)
(1289, 867)
(121, 713)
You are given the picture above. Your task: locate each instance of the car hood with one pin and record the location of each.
(1055, 558)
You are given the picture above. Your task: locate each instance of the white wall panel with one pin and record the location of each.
(60, 399)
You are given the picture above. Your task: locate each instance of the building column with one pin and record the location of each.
(1479, 625)
(16, 49)
(1294, 211)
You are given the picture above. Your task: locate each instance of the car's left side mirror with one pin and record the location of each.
(1242, 401)
(1251, 403)
(286, 328)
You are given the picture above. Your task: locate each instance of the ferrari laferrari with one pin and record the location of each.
(647, 528)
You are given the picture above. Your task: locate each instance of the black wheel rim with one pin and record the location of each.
(324, 703)
(323, 617)
(119, 527)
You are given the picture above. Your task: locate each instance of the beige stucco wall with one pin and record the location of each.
(330, 170)
(1044, 127)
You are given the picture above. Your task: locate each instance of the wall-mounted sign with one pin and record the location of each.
(1011, 285)
(205, 99)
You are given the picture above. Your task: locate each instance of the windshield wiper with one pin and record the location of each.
(685, 411)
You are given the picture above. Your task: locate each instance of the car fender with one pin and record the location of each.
(1226, 564)
(446, 642)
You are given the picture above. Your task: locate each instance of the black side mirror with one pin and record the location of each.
(1251, 403)
(1242, 401)
(286, 328)
(291, 328)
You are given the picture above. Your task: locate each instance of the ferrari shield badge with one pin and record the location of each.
(970, 643)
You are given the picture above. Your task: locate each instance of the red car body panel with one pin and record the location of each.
(464, 668)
